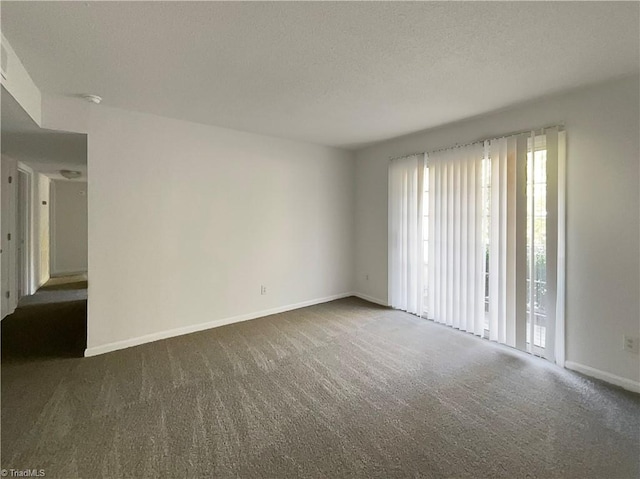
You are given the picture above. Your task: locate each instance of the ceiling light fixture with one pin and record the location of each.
(70, 174)
(92, 98)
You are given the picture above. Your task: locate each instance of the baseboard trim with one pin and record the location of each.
(42, 283)
(62, 274)
(11, 310)
(148, 338)
(624, 383)
(371, 299)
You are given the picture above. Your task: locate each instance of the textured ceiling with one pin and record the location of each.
(343, 74)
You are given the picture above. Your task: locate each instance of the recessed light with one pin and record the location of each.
(92, 98)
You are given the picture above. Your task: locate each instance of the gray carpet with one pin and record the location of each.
(51, 323)
(342, 389)
(56, 292)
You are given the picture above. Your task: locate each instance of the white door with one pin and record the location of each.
(8, 255)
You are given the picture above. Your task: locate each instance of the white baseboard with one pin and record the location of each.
(624, 383)
(148, 338)
(11, 310)
(62, 274)
(42, 283)
(371, 299)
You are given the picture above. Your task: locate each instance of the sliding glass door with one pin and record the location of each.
(492, 236)
(536, 246)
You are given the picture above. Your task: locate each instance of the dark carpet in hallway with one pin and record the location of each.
(342, 389)
(51, 323)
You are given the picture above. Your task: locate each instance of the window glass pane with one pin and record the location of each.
(536, 242)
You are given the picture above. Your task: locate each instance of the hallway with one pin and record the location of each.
(51, 323)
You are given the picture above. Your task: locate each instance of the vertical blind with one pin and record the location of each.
(455, 278)
(406, 185)
(476, 239)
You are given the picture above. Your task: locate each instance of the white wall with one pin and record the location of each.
(603, 220)
(187, 221)
(68, 227)
(68, 114)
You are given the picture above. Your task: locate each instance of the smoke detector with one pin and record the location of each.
(92, 98)
(70, 174)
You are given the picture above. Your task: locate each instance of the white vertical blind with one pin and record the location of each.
(554, 297)
(457, 277)
(406, 252)
(519, 311)
(494, 259)
(507, 241)
(559, 338)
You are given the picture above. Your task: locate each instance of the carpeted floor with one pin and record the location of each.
(342, 389)
(51, 323)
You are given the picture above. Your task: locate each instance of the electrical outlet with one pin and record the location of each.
(631, 344)
(263, 289)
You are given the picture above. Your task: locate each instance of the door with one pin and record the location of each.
(7, 263)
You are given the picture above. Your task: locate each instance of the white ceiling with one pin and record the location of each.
(343, 74)
(46, 151)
